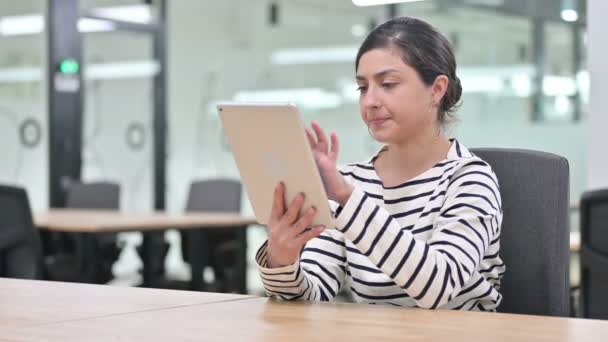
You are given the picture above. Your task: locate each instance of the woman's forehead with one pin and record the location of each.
(381, 61)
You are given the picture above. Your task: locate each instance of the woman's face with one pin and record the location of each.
(394, 102)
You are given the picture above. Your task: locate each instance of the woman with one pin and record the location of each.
(419, 223)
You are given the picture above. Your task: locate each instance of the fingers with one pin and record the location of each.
(291, 230)
(293, 212)
(310, 234)
(335, 147)
(278, 205)
(303, 222)
(322, 143)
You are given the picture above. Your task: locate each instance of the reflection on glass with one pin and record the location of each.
(23, 119)
(117, 118)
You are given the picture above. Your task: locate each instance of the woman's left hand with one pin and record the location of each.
(337, 188)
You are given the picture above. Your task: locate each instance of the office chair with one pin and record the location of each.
(594, 254)
(535, 230)
(20, 249)
(98, 195)
(226, 247)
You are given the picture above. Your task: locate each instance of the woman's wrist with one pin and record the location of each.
(271, 262)
(344, 195)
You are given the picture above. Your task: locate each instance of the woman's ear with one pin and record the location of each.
(438, 89)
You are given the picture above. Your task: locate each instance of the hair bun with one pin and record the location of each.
(452, 95)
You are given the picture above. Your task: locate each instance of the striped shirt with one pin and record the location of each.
(431, 242)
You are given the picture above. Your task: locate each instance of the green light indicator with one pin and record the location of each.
(69, 66)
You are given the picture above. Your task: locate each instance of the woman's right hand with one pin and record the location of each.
(288, 232)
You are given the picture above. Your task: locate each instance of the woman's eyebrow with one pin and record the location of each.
(378, 74)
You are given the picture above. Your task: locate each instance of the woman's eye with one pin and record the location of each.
(361, 89)
(388, 85)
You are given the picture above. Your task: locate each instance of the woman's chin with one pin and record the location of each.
(381, 137)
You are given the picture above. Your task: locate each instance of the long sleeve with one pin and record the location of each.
(434, 271)
(318, 274)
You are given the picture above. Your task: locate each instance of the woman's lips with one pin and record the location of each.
(377, 122)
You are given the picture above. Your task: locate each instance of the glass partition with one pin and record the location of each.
(23, 104)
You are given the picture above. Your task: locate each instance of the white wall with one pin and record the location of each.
(597, 160)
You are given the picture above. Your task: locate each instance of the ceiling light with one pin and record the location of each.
(568, 10)
(34, 24)
(98, 71)
(24, 74)
(21, 24)
(314, 55)
(141, 14)
(379, 2)
(95, 25)
(485, 2)
(569, 15)
(121, 70)
(559, 85)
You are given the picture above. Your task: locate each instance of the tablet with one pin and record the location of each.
(269, 144)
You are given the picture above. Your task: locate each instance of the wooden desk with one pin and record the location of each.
(86, 222)
(27, 303)
(262, 319)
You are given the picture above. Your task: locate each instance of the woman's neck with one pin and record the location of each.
(406, 160)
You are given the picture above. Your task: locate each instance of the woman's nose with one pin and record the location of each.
(370, 98)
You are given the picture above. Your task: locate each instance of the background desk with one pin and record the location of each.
(103, 221)
(220, 317)
(88, 222)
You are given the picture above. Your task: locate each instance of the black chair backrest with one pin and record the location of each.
(20, 250)
(221, 195)
(594, 254)
(535, 230)
(100, 195)
(96, 195)
(218, 195)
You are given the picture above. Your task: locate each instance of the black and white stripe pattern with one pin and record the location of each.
(432, 242)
